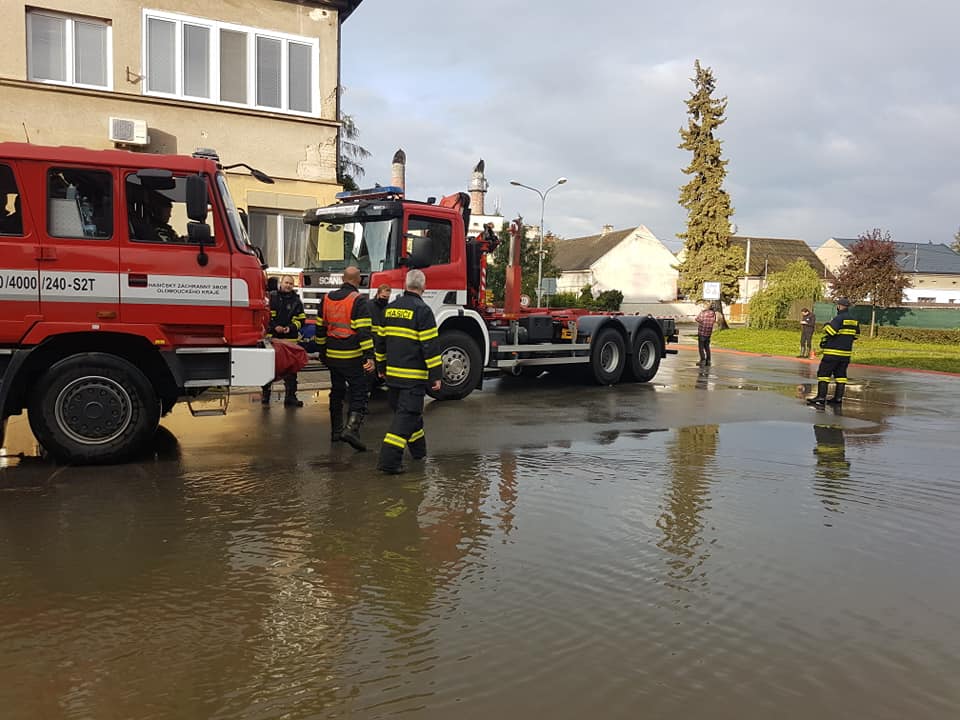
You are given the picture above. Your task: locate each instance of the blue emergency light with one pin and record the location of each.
(379, 192)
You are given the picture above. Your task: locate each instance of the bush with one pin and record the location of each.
(564, 299)
(608, 300)
(917, 335)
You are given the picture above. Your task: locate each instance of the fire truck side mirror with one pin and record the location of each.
(197, 199)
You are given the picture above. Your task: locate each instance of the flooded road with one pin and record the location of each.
(706, 545)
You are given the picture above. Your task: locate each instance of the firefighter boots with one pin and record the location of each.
(821, 397)
(336, 424)
(265, 394)
(290, 398)
(351, 433)
(837, 398)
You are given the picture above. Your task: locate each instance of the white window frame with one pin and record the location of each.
(214, 27)
(69, 60)
(277, 215)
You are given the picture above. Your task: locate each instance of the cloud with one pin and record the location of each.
(840, 115)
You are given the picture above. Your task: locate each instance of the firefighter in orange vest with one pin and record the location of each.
(344, 334)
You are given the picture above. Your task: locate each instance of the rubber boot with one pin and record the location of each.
(336, 424)
(265, 392)
(290, 398)
(821, 397)
(351, 433)
(837, 398)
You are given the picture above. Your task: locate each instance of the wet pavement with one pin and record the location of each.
(704, 545)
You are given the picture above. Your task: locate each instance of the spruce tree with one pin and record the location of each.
(708, 253)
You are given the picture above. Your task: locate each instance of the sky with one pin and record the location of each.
(842, 115)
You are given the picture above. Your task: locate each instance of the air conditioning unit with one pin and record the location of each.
(127, 131)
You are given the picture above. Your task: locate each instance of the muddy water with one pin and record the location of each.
(707, 546)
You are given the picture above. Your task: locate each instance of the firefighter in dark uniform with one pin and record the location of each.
(836, 349)
(286, 319)
(344, 335)
(408, 358)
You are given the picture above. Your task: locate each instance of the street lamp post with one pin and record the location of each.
(543, 202)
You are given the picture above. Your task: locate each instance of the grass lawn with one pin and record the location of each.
(866, 351)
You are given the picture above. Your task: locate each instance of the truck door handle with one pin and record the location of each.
(137, 280)
(44, 253)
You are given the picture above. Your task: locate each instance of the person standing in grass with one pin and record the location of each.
(705, 322)
(808, 321)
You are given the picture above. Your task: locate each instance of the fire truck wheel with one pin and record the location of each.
(93, 408)
(608, 356)
(644, 361)
(462, 365)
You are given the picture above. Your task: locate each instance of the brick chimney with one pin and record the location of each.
(606, 229)
(478, 189)
(398, 171)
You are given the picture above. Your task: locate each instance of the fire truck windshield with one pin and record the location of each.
(368, 243)
(233, 215)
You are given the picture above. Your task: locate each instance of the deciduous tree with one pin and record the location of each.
(956, 242)
(871, 274)
(708, 253)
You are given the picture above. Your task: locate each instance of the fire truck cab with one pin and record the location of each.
(127, 283)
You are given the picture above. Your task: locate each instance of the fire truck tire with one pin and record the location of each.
(93, 408)
(462, 365)
(644, 361)
(608, 357)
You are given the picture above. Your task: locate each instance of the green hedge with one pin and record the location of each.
(907, 334)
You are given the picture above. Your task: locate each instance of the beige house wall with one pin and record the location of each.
(832, 254)
(299, 152)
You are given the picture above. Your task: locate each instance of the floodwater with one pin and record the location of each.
(703, 546)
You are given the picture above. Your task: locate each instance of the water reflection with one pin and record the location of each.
(833, 468)
(691, 456)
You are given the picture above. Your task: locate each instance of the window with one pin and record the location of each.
(157, 208)
(68, 50)
(79, 203)
(281, 237)
(11, 213)
(437, 233)
(196, 59)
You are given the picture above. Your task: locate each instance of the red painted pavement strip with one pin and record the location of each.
(813, 360)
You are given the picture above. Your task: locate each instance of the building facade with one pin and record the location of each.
(933, 269)
(633, 261)
(255, 80)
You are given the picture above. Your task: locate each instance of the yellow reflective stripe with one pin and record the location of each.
(366, 344)
(361, 322)
(395, 440)
(427, 334)
(319, 322)
(828, 329)
(343, 354)
(376, 329)
(842, 381)
(393, 331)
(407, 373)
(273, 313)
(847, 332)
(321, 341)
(837, 353)
(417, 435)
(432, 362)
(852, 323)
(381, 357)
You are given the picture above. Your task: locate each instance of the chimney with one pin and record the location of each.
(398, 171)
(605, 230)
(478, 189)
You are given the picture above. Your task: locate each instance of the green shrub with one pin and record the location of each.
(917, 335)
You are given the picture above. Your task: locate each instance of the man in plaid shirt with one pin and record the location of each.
(705, 322)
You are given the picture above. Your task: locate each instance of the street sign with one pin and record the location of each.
(548, 286)
(525, 300)
(711, 291)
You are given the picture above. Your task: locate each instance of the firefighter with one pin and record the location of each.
(344, 335)
(836, 350)
(286, 319)
(408, 358)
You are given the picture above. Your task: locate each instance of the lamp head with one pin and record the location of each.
(561, 180)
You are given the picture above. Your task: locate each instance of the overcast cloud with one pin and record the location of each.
(843, 115)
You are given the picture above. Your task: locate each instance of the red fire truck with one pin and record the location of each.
(127, 283)
(384, 234)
